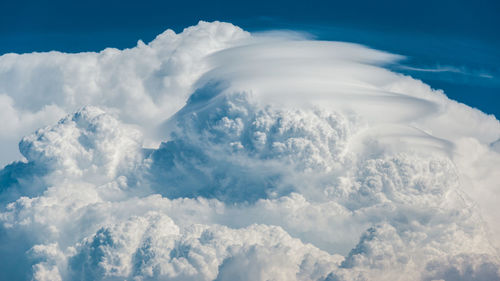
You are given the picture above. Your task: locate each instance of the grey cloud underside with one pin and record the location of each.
(280, 159)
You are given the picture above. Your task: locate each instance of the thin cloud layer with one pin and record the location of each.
(281, 158)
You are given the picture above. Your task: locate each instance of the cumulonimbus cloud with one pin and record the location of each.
(281, 158)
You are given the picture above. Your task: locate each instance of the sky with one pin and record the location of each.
(457, 40)
(311, 142)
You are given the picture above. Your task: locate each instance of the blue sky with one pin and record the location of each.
(452, 45)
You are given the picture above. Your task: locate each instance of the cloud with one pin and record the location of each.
(144, 85)
(448, 69)
(281, 158)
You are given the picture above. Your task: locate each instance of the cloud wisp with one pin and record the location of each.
(216, 154)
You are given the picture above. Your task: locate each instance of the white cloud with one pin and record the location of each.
(143, 85)
(283, 158)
